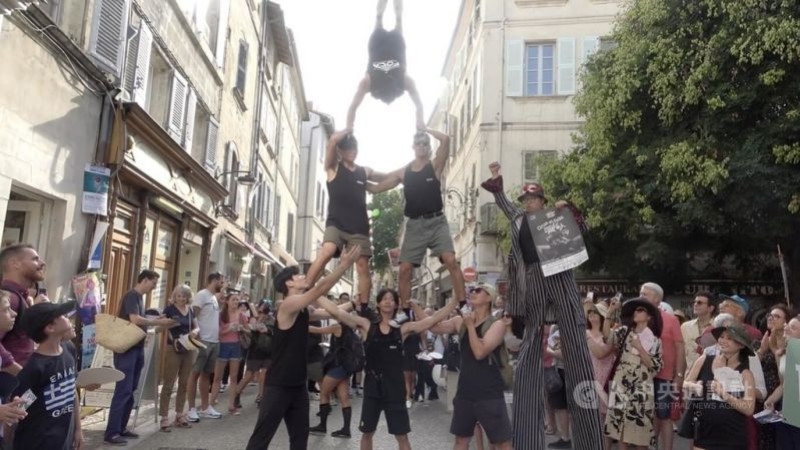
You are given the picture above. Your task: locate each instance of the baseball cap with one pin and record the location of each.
(486, 287)
(739, 301)
(42, 314)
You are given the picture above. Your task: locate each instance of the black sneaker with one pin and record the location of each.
(116, 440)
(129, 434)
(341, 433)
(560, 444)
(319, 430)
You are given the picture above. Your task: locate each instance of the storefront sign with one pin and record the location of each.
(558, 240)
(95, 190)
(96, 255)
(745, 288)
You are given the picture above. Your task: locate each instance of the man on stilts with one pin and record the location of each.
(531, 295)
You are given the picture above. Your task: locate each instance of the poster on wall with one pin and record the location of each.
(88, 345)
(88, 294)
(95, 190)
(558, 240)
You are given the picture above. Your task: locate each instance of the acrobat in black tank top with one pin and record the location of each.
(423, 191)
(387, 64)
(347, 207)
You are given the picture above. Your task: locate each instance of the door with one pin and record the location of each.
(166, 245)
(119, 264)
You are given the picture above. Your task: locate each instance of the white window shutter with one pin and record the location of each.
(177, 107)
(590, 46)
(191, 110)
(222, 32)
(515, 67)
(566, 66)
(107, 40)
(142, 72)
(211, 145)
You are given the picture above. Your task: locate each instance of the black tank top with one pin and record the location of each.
(347, 208)
(478, 380)
(289, 353)
(423, 191)
(384, 368)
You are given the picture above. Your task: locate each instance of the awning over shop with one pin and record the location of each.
(267, 255)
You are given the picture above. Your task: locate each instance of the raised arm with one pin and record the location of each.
(411, 88)
(449, 326)
(321, 314)
(442, 152)
(495, 186)
(483, 347)
(390, 181)
(339, 314)
(426, 323)
(363, 88)
(330, 152)
(295, 303)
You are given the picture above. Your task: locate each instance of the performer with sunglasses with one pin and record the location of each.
(531, 297)
(426, 226)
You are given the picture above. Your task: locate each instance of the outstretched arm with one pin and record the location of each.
(292, 305)
(339, 314)
(442, 152)
(390, 181)
(495, 186)
(363, 88)
(411, 88)
(483, 347)
(424, 324)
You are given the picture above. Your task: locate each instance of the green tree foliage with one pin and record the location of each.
(386, 226)
(692, 136)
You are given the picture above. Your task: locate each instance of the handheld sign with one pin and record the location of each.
(558, 240)
(791, 383)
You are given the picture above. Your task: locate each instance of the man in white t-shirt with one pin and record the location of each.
(205, 307)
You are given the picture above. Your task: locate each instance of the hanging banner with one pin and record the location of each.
(791, 389)
(95, 190)
(96, 255)
(558, 240)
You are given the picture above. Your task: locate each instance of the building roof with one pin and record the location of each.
(277, 28)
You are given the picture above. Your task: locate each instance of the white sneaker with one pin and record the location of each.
(408, 404)
(211, 413)
(223, 388)
(192, 416)
(399, 320)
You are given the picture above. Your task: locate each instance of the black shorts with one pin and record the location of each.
(396, 416)
(558, 399)
(492, 415)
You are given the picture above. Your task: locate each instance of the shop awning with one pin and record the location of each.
(268, 255)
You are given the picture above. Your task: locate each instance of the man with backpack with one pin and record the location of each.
(485, 372)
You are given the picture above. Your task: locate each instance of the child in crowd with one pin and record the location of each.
(52, 421)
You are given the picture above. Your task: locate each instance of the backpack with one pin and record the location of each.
(350, 354)
(452, 354)
(262, 341)
(499, 357)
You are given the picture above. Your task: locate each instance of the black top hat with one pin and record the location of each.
(630, 306)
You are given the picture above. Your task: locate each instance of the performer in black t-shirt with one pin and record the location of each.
(386, 77)
(286, 396)
(347, 222)
(384, 388)
(426, 226)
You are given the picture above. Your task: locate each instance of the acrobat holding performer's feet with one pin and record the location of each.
(386, 77)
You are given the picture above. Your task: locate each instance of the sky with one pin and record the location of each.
(332, 37)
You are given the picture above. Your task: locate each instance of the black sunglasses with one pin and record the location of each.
(640, 309)
(478, 290)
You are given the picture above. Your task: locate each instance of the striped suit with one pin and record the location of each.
(534, 296)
